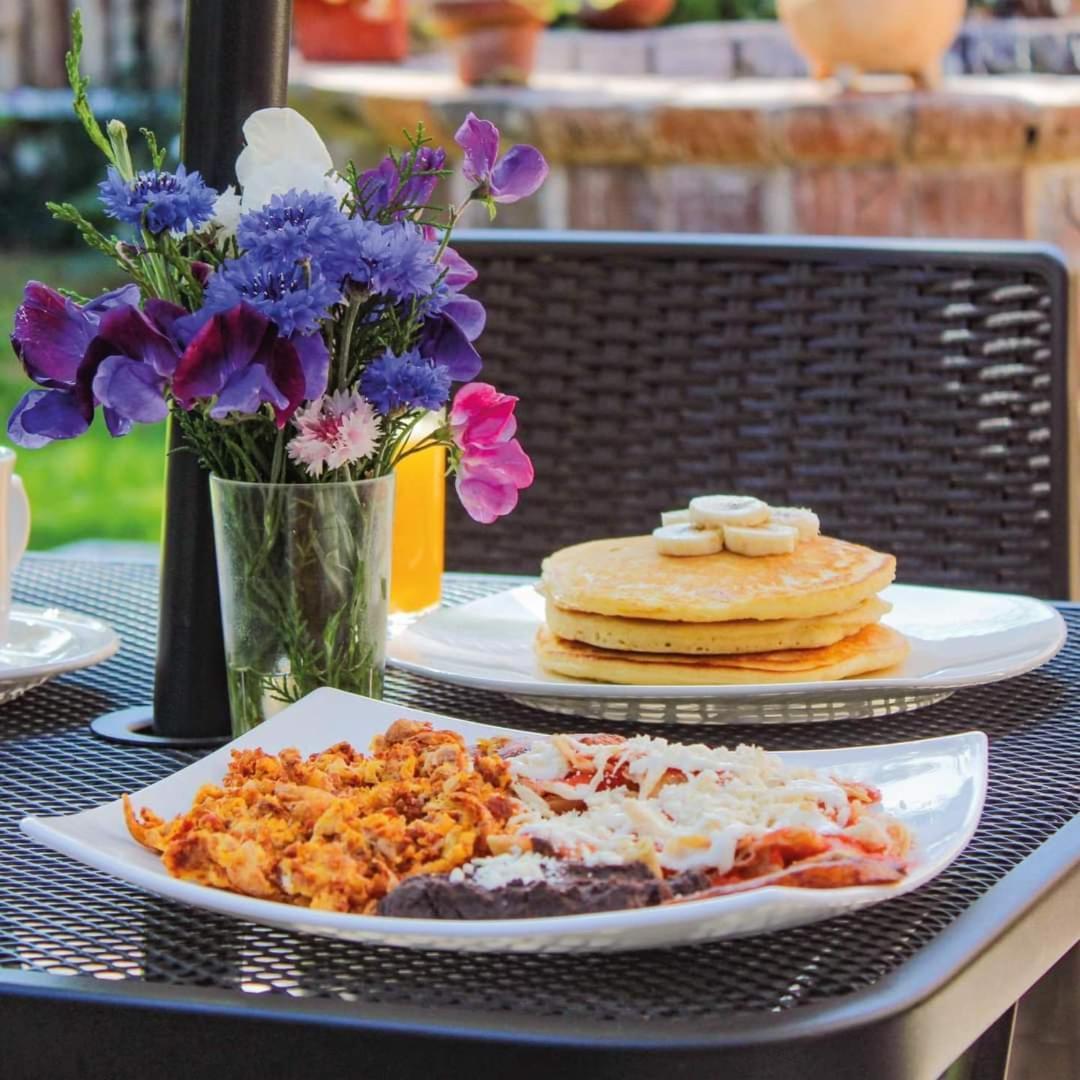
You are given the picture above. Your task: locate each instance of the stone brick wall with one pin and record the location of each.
(983, 157)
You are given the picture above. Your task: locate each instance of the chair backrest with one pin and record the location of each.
(912, 393)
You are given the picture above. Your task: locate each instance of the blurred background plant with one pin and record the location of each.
(722, 10)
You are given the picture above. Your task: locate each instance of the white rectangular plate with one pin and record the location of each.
(935, 786)
(958, 638)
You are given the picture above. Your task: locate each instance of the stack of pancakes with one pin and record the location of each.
(619, 611)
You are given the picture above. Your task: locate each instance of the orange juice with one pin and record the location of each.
(419, 521)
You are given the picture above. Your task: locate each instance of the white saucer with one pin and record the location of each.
(45, 642)
(958, 638)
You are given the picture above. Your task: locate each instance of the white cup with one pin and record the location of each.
(14, 533)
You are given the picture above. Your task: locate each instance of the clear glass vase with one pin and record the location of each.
(305, 582)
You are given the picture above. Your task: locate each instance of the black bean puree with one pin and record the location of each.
(574, 890)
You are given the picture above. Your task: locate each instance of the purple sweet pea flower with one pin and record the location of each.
(382, 188)
(445, 342)
(239, 358)
(52, 333)
(503, 180)
(468, 313)
(43, 416)
(459, 272)
(315, 361)
(128, 366)
(52, 336)
(168, 318)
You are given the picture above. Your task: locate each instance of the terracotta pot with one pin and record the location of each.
(494, 40)
(351, 29)
(908, 36)
(627, 14)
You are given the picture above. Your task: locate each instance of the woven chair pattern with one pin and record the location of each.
(910, 398)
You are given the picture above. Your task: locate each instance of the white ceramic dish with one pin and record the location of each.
(958, 638)
(935, 786)
(45, 642)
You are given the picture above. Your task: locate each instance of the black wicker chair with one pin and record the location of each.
(914, 394)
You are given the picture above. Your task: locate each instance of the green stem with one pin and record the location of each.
(451, 225)
(277, 470)
(346, 340)
(425, 443)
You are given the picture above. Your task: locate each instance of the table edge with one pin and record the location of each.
(1046, 879)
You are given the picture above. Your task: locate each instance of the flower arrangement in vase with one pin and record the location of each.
(298, 329)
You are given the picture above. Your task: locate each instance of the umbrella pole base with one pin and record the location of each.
(135, 726)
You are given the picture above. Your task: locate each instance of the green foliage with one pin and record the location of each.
(722, 10)
(157, 153)
(79, 86)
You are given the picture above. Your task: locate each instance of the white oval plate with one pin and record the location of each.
(45, 642)
(935, 786)
(958, 638)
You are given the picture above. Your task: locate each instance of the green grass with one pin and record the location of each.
(94, 486)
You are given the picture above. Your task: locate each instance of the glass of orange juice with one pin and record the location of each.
(416, 565)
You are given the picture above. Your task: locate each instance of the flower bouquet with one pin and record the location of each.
(299, 328)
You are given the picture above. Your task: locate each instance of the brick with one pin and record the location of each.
(594, 134)
(701, 50)
(558, 50)
(734, 135)
(850, 201)
(979, 202)
(626, 52)
(953, 127)
(1052, 207)
(765, 51)
(848, 129)
(701, 198)
(602, 198)
(1058, 133)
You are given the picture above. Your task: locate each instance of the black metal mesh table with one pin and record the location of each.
(919, 977)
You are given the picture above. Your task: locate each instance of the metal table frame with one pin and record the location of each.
(908, 1025)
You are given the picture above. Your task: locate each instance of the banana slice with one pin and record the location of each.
(716, 511)
(762, 540)
(675, 517)
(686, 539)
(804, 521)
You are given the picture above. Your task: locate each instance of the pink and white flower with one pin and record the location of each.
(334, 430)
(493, 467)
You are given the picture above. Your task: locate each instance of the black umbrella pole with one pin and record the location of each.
(236, 60)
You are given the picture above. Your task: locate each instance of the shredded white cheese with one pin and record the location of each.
(693, 803)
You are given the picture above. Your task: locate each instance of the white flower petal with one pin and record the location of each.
(278, 178)
(274, 135)
(227, 211)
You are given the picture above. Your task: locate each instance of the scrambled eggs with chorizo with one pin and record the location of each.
(338, 830)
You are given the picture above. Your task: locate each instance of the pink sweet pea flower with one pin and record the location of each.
(493, 467)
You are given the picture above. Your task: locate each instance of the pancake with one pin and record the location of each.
(725, 638)
(629, 578)
(871, 649)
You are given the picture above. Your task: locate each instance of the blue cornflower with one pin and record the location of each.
(159, 201)
(295, 297)
(300, 227)
(405, 382)
(394, 260)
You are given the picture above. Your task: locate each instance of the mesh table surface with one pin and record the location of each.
(59, 917)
